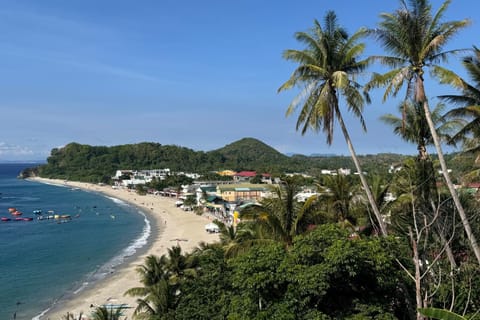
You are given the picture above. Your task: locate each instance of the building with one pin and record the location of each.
(245, 176)
(243, 192)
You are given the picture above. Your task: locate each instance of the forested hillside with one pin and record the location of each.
(98, 163)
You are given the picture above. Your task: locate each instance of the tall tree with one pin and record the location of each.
(327, 69)
(467, 103)
(415, 37)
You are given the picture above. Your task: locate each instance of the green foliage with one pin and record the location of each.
(441, 314)
(323, 275)
(170, 181)
(98, 164)
(206, 297)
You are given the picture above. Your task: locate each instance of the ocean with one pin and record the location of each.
(43, 262)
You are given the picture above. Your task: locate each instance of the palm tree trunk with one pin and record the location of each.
(446, 175)
(371, 200)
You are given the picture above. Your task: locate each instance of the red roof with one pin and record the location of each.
(249, 174)
(474, 185)
(246, 174)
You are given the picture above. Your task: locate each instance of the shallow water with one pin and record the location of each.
(42, 261)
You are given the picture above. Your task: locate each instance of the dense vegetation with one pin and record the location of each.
(99, 163)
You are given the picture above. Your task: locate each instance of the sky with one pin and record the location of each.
(196, 74)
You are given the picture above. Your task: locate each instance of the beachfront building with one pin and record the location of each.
(205, 191)
(245, 176)
(341, 171)
(243, 192)
(229, 173)
(135, 177)
(305, 194)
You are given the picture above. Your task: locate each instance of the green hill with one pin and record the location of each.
(98, 163)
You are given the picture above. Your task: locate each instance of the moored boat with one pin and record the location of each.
(16, 213)
(5, 219)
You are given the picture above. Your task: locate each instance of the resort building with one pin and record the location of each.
(229, 173)
(245, 176)
(243, 192)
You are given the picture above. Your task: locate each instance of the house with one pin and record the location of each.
(473, 188)
(229, 173)
(245, 191)
(245, 176)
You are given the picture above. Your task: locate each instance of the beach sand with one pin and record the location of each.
(169, 223)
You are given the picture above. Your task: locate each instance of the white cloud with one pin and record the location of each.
(15, 152)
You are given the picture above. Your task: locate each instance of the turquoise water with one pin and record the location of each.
(44, 261)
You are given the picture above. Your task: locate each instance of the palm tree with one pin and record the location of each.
(281, 217)
(237, 239)
(104, 313)
(157, 302)
(467, 103)
(161, 278)
(415, 37)
(338, 197)
(179, 266)
(412, 127)
(327, 68)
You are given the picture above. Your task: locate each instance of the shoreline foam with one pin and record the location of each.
(168, 224)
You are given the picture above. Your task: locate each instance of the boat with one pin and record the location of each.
(12, 210)
(27, 219)
(16, 213)
(5, 219)
(37, 212)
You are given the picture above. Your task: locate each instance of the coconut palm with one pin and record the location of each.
(412, 127)
(467, 103)
(157, 302)
(237, 239)
(415, 37)
(179, 266)
(327, 69)
(104, 313)
(281, 217)
(161, 278)
(338, 194)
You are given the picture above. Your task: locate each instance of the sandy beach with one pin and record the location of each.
(170, 226)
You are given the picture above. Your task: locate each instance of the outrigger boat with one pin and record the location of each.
(16, 213)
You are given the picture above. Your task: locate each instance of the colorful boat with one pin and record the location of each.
(16, 213)
(5, 219)
(12, 210)
(27, 219)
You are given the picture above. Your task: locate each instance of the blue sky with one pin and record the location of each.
(197, 74)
